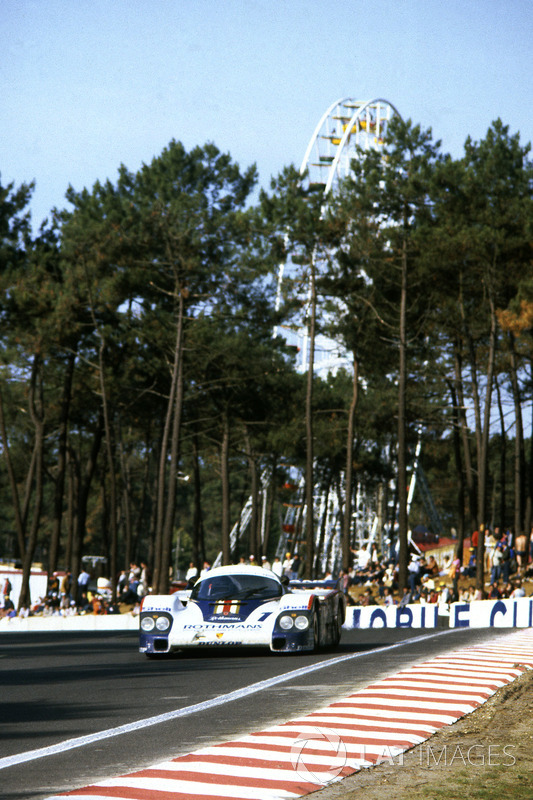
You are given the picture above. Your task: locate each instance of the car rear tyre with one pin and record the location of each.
(317, 642)
(337, 624)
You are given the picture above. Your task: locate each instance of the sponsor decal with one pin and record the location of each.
(219, 644)
(217, 626)
(226, 607)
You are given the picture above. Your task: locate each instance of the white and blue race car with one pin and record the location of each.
(243, 606)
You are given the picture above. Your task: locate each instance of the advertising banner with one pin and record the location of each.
(493, 614)
(409, 616)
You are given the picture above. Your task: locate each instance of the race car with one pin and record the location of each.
(241, 606)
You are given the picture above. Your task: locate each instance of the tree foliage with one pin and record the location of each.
(144, 398)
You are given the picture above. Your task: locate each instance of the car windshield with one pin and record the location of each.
(236, 587)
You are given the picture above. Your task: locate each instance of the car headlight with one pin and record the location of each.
(162, 623)
(147, 624)
(286, 623)
(301, 622)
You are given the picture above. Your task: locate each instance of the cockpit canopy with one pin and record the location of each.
(237, 587)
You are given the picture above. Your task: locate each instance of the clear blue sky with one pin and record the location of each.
(86, 85)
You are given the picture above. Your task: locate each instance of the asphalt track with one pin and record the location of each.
(79, 708)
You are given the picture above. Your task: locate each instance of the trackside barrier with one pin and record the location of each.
(478, 614)
(493, 614)
(410, 616)
(56, 623)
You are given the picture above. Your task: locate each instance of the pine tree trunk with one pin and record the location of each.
(198, 543)
(59, 488)
(309, 465)
(347, 515)
(170, 510)
(402, 447)
(502, 511)
(37, 414)
(167, 475)
(519, 456)
(224, 475)
(483, 454)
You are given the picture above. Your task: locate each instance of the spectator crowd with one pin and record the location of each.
(372, 580)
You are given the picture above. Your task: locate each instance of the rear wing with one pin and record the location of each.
(318, 587)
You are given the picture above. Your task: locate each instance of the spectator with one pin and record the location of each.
(83, 584)
(344, 581)
(455, 574)
(432, 568)
(144, 580)
(84, 603)
(446, 566)
(8, 609)
(494, 591)
(295, 568)
(131, 595)
(287, 565)
(518, 590)
(521, 552)
(388, 598)
(368, 598)
(7, 589)
(122, 582)
(66, 587)
(445, 594)
(277, 567)
(496, 558)
(98, 604)
(413, 574)
(406, 597)
(390, 576)
(470, 569)
(53, 598)
(507, 558)
(472, 594)
(431, 593)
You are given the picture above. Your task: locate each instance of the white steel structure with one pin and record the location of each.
(347, 127)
